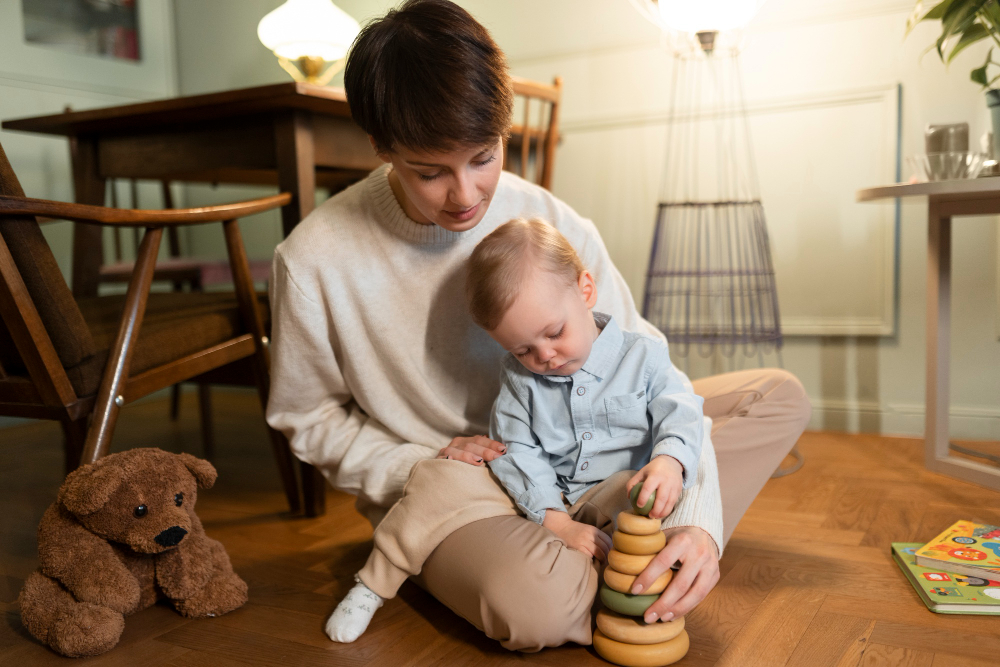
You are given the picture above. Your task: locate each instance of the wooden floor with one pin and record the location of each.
(806, 580)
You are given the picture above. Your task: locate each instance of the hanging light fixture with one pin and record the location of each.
(309, 37)
(702, 20)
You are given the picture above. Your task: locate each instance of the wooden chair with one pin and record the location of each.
(80, 361)
(531, 147)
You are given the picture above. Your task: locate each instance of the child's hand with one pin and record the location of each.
(665, 475)
(580, 536)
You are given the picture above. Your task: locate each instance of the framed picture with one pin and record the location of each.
(120, 48)
(107, 28)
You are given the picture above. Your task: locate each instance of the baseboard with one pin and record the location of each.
(901, 419)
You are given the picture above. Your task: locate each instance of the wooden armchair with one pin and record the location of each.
(80, 361)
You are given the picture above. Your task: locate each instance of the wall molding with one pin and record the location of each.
(904, 419)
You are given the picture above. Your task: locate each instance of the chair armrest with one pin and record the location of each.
(118, 217)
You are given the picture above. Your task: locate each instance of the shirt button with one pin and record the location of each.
(587, 435)
(586, 464)
(580, 391)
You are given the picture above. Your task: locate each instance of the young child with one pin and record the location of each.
(580, 400)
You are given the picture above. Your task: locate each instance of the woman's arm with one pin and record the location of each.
(312, 405)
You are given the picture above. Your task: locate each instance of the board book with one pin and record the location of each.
(946, 592)
(966, 548)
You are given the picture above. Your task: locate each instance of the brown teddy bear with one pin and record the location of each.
(122, 535)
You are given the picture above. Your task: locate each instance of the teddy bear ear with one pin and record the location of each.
(203, 471)
(88, 488)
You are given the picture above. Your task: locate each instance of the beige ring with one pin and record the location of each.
(630, 630)
(641, 655)
(639, 545)
(628, 563)
(633, 524)
(622, 582)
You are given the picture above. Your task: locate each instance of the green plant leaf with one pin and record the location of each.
(979, 74)
(974, 33)
(958, 17)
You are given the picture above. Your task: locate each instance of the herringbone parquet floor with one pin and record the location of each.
(807, 579)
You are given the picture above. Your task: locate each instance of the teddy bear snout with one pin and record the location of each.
(170, 537)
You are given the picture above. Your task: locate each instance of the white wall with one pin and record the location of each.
(820, 83)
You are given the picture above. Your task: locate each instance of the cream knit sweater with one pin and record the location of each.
(375, 362)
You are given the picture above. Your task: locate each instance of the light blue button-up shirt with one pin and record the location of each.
(564, 434)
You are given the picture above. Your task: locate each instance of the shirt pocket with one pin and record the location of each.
(626, 414)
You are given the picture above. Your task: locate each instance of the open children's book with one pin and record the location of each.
(945, 592)
(966, 548)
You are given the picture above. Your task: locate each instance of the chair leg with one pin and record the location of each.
(285, 461)
(175, 402)
(207, 432)
(313, 490)
(75, 435)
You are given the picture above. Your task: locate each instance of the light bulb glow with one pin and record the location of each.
(707, 15)
(301, 28)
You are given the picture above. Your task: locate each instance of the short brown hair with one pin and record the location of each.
(501, 262)
(428, 76)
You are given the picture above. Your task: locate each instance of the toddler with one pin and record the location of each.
(580, 400)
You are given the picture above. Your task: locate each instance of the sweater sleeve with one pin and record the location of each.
(312, 405)
(701, 505)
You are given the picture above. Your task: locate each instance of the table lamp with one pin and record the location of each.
(309, 37)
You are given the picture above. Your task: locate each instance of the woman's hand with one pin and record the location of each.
(699, 573)
(580, 536)
(475, 449)
(664, 475)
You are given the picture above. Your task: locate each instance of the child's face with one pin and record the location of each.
(450, 189)
(549, 328)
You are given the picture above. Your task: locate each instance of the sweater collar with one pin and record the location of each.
(390, 215)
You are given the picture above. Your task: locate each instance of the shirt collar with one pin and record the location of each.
(603, 353)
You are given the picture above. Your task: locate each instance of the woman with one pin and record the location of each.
(377, 366)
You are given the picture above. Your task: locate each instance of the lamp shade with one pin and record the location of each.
(707, 15)
(308, 28)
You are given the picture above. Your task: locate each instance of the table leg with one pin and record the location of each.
(296, 166)
(938, 335)
(88, 247)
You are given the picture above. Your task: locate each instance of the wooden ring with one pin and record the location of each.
(631, 630)
(623, 603)
(633, 524)
(622, 582)
(629, 563)
(641, 655)
(639, 545)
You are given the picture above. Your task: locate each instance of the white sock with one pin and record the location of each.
(351, 617)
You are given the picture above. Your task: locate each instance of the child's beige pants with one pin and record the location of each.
(514, 579)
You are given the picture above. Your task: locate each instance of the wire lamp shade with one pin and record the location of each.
(710, 282)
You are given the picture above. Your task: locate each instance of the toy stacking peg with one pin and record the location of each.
(622, 637)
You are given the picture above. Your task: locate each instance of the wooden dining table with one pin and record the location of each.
(295, 136)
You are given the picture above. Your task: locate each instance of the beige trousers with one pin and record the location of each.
(460, 534)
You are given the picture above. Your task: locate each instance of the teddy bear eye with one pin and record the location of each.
(140, 511)
(179, 499)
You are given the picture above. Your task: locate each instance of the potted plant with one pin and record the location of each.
(964, 23)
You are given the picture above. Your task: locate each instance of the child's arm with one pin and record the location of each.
(676, 430)
(524, 469)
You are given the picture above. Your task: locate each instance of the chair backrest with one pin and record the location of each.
(44, 283)
(531, 149)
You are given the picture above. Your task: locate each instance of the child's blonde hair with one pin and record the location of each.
(502, 261)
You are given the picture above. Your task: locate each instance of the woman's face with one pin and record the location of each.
(450, 189)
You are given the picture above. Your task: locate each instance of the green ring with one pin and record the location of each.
(623, 603)
(633, 498)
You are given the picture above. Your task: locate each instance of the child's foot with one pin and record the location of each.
(351, 617)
